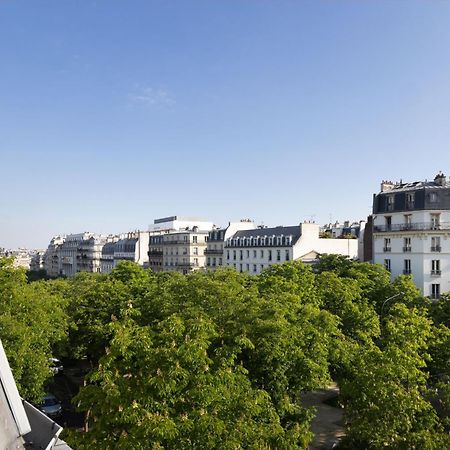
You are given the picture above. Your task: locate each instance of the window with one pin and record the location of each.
(262, 267)
(214, 262)
(435, 219)
(388, 222)
(240, 265)
(254, 253)
(387, 245)
(387, 264)
(435, 267)
(435, 290)
(196, 261)
(408, 221)
(234, 255)
(254, 268)
(248, 267)
(390, 203)
(194, 239)
(270, 255)
(407, 266)
(208, 261)
(248, 253)
(436, 244)
(228, 254)
(407, 244)
(278, 255)
(410, 200)
(262, 253)
(433, 197)
(286, 256)
(195, 250)
(241, 255)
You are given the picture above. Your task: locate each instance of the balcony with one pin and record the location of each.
(406, 271)
(385, 249)
(435, 273)
(436, 248)
(420, 226)
(210, 251)
(186, 264)
(155, 253)
(407, 249)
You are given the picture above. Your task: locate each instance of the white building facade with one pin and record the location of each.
(252, 251)
(411, 232)
(52, 258)
(178, 244)
(133, 247)
(214, 251)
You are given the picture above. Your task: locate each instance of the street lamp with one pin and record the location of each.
(389, 298)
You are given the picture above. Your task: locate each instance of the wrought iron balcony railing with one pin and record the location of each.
(419, 226)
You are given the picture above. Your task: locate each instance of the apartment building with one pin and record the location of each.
(252, 251)
(52, 257)
(184, 251)
(348, 230)
(132, 247)
(107, 257)
(411, 232)
(167, 252)
(214, 251)
(81, 252)
(89, 253)
(37, 261)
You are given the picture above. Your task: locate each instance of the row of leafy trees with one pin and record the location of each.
(220, 359)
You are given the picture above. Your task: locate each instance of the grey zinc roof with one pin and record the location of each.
(108, 248)
(294, 231)
(402, 187)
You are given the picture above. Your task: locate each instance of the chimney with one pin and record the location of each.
(386, 185)
(440, 179)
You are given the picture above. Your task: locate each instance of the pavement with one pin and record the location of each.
(328, 425)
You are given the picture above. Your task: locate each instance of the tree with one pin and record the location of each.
(164, 388)
(385, 397)
(32, 322)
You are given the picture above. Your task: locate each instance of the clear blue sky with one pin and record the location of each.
(113, 113)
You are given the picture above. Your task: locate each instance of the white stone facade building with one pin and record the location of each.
(214, 251)
(184, 251)
(37, 261)
(89, 253)
(411, 232)
(252, 251)
(81, 252)
(178, 244)
(52, 258)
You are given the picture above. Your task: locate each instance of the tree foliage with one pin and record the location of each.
(220, 359)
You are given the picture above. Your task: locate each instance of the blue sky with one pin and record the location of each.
(113, 113)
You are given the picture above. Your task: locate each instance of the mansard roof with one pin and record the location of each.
(293, 231)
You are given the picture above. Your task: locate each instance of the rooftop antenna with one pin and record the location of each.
(312, 218)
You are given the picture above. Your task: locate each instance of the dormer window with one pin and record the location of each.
(390, 203)
(410, 200)
(433, 197)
